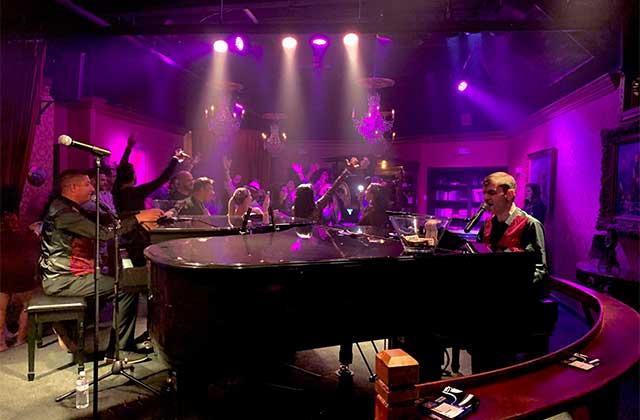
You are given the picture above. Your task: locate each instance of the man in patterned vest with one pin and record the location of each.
(511, 229)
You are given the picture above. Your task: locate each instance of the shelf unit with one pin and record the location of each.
(456, 192)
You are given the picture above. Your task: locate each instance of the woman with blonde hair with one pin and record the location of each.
(240, 203)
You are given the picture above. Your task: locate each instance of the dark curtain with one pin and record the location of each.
(21, 72)
(250, 159)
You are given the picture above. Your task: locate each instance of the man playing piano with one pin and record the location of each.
(66, 263)
(511, 229)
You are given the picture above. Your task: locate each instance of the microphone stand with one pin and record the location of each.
(96, 270)
(245, 221)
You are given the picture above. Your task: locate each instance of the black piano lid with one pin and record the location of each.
(299, 245)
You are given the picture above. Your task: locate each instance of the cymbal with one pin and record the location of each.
(376, 82)
(275, 116)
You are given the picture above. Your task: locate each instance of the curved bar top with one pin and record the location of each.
(544, 384)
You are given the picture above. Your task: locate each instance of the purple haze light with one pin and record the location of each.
(462, 86)
(239, 43)
(319, 41)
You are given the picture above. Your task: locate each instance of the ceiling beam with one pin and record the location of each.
(323, 27)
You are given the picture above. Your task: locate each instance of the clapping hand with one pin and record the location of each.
(180, 155)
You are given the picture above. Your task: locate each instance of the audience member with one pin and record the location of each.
(304, 205)
(374, 213)
(533, 203)
(129, 197)
(240, 203)
(106, 198)
(182, 187)
(203, 192)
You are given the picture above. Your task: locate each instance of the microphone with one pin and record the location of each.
(68, 141)
(245, 220)
(475, 218)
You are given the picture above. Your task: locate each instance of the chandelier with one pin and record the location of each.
(224, 117)
(274, 143)
(375, 124)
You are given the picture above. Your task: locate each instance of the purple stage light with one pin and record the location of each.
(239, 43)
(462, 86)
(319, 41)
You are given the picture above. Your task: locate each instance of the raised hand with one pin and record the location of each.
(297, 168)
(131, 141)
(352, 164)
(267, 201)
(181, 155)
(226, 163)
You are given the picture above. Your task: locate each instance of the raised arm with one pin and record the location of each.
(149, 187)
(228, 183)
(123, 169)
(131, 141)
(352, 166)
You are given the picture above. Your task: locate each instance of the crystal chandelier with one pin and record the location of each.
(375, 124)
(274, 143)
(224, 117)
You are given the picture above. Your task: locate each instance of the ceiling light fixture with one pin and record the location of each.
(375, 124)
(274, 143)
(224, 117)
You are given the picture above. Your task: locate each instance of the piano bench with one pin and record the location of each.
(43, 309)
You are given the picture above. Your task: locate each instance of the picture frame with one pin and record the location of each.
(620, 190)
(542, 171)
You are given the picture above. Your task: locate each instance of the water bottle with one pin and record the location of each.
(82, 390)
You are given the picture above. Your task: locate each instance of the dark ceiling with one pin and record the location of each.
(154, 56)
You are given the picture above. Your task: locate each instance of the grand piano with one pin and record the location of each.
(215, 225)
(226, 301)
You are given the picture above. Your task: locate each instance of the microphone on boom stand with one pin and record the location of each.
(475, 218)
(245, 220)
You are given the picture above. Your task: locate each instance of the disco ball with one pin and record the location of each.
(36, 176)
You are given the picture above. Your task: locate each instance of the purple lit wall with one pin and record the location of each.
(571, 125)
(482, 149)
(95, 122)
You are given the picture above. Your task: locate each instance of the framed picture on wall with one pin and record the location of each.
(539, 190)
(620, 193)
